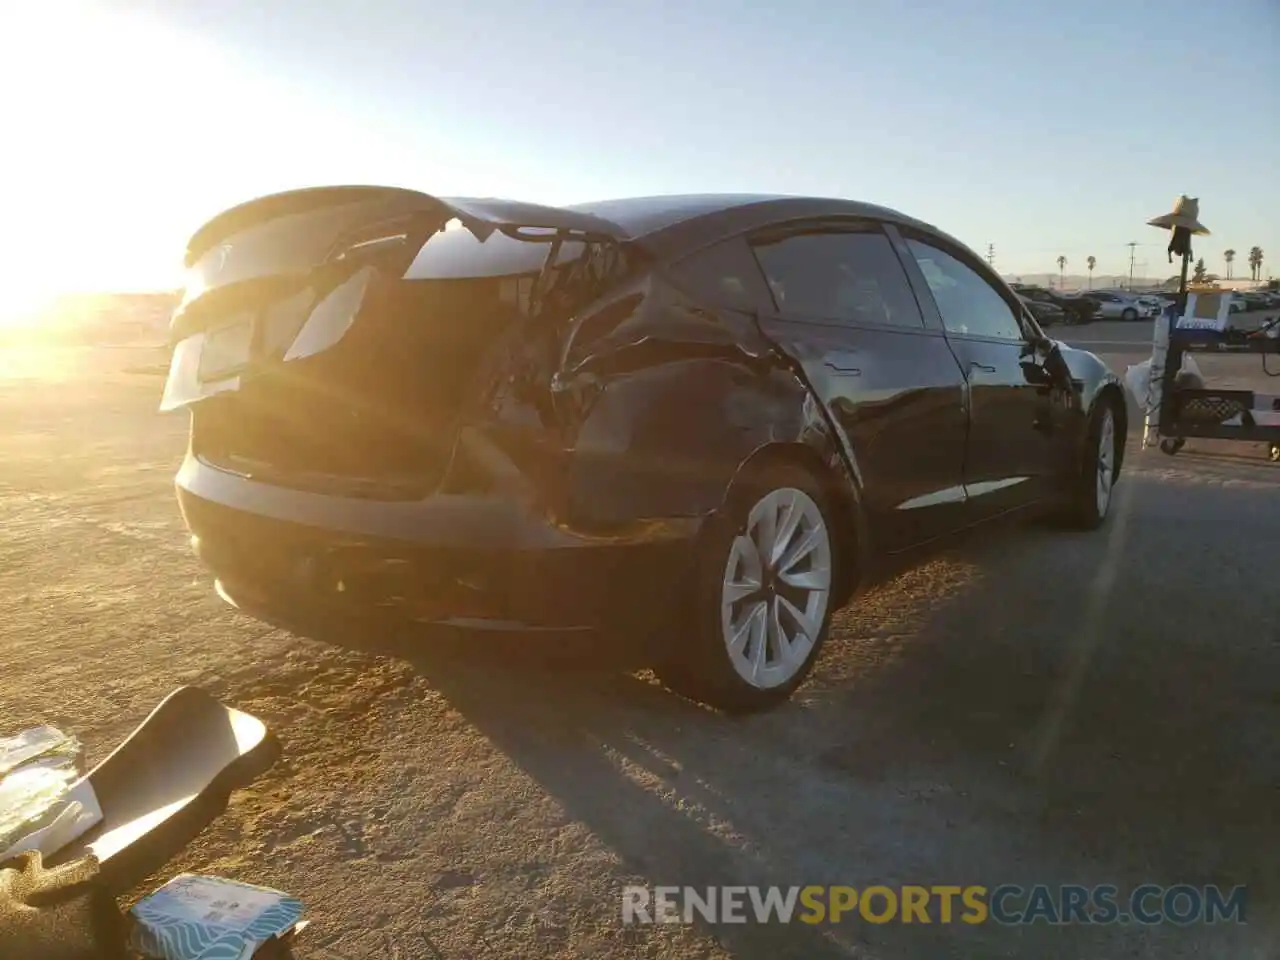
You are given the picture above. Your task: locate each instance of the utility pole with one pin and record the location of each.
(1132, 246)
(991, 255)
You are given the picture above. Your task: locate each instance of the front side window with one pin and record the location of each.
(853, 277)
(970, 306)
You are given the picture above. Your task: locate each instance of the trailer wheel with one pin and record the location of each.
(1171, 445)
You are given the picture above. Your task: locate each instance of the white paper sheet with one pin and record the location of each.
(80, 813)
(34, 742)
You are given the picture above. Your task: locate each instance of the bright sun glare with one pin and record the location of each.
(22, 307)
(94, 200)
(133, 132)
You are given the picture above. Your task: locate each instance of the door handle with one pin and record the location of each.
(975, 365)
(848, 371)
(842, 362)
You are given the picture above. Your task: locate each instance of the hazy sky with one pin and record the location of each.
(1044, 128)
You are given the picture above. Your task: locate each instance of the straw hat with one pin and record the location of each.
(1186, 213)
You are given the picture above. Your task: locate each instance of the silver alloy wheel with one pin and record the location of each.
(777, 584)
(1106, 460)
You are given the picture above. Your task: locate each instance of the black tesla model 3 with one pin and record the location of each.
(706, 421)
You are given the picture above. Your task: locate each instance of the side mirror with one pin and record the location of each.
(1052, 370)
(1056, 367)
(1035, 373)
(1036, 345)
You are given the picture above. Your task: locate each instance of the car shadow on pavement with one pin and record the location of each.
(1031, 707)
(563, 713)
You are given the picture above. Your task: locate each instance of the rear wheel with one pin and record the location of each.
(761, 606)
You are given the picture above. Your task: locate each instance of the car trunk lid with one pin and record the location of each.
(320, 345)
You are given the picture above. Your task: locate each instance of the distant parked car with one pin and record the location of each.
(1046, 314)
(1154, 302)
(1074, 309)
(1255, 300)
(1117, 306)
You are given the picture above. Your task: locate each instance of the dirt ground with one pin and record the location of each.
(1028, 707)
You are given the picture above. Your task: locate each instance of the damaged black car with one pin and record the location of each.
(703, 421)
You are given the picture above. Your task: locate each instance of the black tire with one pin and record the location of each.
(1086, 509)
(695, 661)
(1129, 314)
(1171, 445)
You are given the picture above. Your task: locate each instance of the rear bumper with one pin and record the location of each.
(455, 558)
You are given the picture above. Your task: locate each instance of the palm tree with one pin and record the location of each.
(1255, 262)
(1229, 255)
(1062, 265)
(1091, 263)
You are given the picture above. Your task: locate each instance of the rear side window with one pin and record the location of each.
(851, 277)
(725, 275)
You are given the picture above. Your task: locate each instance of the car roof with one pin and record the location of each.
(641, 216)
(673, 224)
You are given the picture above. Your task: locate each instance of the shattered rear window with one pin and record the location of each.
(509, 270)
(459, 255)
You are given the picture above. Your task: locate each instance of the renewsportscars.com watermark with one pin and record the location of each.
(1182, 904)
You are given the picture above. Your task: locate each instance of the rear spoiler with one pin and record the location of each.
(479, 215)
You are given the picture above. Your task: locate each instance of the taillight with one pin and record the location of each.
(331, 318)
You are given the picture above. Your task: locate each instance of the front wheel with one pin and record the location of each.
(762, 602)
(1098, 470)
(1129, 314)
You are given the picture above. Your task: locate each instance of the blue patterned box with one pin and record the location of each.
(209, 918)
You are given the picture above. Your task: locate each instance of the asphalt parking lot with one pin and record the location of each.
(1031, 707)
